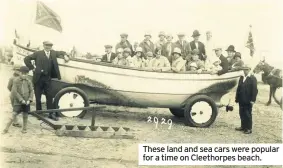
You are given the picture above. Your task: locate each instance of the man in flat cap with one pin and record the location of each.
(196, 44)
(109, 56)
(124, 43)
(246, 96)
(224, 62)
(146, 44)
(184, 46)
(46, 67)
(162, 40)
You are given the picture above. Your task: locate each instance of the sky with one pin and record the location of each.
(90, 24)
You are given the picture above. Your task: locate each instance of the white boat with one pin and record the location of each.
(195, 96)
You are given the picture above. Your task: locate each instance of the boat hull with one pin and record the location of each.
(107, 84)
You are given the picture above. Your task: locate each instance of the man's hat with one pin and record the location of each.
(237, 54)
(108, 46)
(162, 33)
(24, 69)
(195, 52)
(139, 49)
(181, 34)
(177, 50)
(127, 50)
(195, 33)
(231, 48)
(147, 34)
(124, 35)
(47, 43)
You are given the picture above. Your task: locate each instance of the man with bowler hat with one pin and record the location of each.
(246, 96)
(231, 53)
(46, 67)
(196, 44)
(109, 56)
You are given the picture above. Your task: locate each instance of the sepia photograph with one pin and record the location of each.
(85, 82)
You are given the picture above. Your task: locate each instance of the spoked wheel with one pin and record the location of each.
(200, 111)
(71, 97)
(177, 112)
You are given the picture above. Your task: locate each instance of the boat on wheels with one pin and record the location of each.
(196, 97)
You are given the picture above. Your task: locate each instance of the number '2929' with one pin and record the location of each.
(162, 122)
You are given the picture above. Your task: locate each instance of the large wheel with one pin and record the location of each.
(71, 97)
(177, 112)
(200, 111)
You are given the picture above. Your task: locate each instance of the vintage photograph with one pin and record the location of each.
(84, 82)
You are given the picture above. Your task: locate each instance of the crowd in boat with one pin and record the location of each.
(179, 56)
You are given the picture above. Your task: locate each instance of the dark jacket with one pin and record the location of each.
(127, 44)
(22, 89)
(104, 57)
(185, 49)
(146, 48)
(201, 48)
(224, 64)
(44, 65)
(247, 90)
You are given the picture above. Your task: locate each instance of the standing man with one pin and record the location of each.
(246, 96)
(109, 56)
(231, 53)
(209, 45)
(146, 44)
(224, 62)
(124, 43)
(184, 46)
(46, 68)
(196, 44)
(162, 41)
(168, 48)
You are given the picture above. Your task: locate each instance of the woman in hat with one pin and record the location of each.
(178, 63)
(195, 59)
(137, 60)
(147, 57)
(119, 60)
(162, 40)
(237, 61)
(146, 44)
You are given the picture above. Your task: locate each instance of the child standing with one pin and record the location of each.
(21, 95)
(10, 85)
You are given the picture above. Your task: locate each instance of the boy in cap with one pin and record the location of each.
(109, 56)
(22, 94)
(16, 74)
(246, 96)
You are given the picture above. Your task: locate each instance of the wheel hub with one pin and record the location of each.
(71, 100)
(201, 112)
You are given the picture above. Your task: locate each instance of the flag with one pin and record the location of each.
(250, 43)
(46, 17)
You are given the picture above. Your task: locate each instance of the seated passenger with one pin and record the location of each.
(159, 62)
(224, 62)
(195, 59)
(237, 63)
(192, 67)
(147, 57)
(178, 64)
(127, 55)
(120, 59)
(137, 60)
(109, 56)
(215, 65)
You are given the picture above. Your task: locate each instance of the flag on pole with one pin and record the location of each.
(250, 43)
(47, 17)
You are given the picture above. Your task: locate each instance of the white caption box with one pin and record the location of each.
(210, 154)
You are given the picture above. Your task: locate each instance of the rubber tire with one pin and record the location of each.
(71, 89)
(177, 112)
(188, 119)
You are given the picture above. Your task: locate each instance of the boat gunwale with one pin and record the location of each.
(124, 67)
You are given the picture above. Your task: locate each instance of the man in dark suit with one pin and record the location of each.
(196, 44)
(184, 46)
(46, 68)
(246, 96)
(224, 62)
(109, 56)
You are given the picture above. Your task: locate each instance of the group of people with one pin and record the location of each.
(166, 55)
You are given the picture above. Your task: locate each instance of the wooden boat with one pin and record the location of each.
(193, 96)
